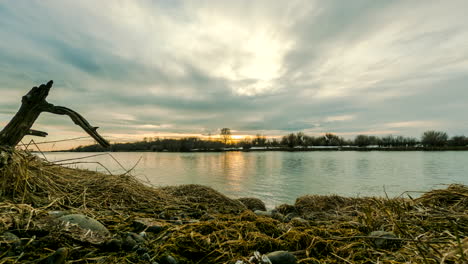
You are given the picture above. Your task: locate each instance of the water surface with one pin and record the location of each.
(281, 177)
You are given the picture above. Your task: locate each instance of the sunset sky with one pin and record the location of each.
(149, 68)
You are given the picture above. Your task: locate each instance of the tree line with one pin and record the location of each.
(429, 139)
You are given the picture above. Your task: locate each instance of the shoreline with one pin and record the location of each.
(57, 214)
(360, 149)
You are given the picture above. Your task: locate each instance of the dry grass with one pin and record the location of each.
(430, 229)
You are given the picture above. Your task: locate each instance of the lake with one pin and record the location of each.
(280, 177)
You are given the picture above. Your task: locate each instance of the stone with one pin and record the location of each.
(171, 260)
(384, 239)
(297, 221)
(59, 257)
(149, 225)
(278, 216)
(253, 204)
(290, 216)
(113, 245)
(281, 257)
(139, 239)
(146, 257)
(57, 213)
(11, 239)
(85, 222)
(207, 217)
(263, 213)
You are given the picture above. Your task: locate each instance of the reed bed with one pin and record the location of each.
(201, 225)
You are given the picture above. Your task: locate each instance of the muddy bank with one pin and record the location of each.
(52, 214)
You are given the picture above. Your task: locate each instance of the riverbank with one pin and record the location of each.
(196, 224)
(295, 149)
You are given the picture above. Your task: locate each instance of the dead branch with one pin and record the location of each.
(32, 105)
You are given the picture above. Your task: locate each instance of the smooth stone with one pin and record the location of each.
(129, 243)
(380, 240)
(59, 257)
(168, 260)
(148, 225)
(207, 217)
(290, 216)
(281, 257)
(263, 213)
(113, 245)
(85, 222)
(297, 221)
(278, 216)
(146, 257)
(11, 239)
(139, 239)
(57, 213)
(141, 250)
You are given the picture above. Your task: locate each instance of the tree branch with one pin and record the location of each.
(32, 105)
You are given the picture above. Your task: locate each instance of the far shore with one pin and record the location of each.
(296, 149)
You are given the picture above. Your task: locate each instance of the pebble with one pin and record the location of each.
(129, 243)
(207, 217)
(171, 260)
(297, 221)
(263, 213)
(146, 257)
(149, 225)
(12, 239)
(381, 241)
(85, 222)
(281, 257)
(113, 245)
(59, 257)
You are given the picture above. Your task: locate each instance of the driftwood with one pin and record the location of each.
(32, 105)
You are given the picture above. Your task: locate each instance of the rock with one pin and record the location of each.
(168, 260)
(278, 216)
(129, 243)
(281, 257)
(146, 257)
(290, 216)
(57, 213)
(171, 260)
(253, 204)
(207, 217)
(59, 257)
(11, 239)
(142, 250)
(85, 222)
(384, 239)
(297, 221)
(113, 245)
(148, 225)
(139, 239)
(263, 213)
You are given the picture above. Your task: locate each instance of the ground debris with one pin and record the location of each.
(196, 224)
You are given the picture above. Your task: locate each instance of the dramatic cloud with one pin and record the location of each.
(148, 68)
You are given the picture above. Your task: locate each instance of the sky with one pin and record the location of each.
(181, 68)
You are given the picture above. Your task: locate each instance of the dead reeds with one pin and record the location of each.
(330, 229)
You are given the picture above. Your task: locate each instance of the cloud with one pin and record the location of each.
(266, 66)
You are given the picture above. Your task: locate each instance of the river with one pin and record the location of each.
(281, 177)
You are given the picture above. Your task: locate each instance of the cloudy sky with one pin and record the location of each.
(169, 67)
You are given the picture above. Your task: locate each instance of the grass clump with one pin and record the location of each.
(201, 225)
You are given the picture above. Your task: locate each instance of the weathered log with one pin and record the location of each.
(32, 105)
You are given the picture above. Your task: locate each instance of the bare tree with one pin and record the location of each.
(226, 135)
(32, 105)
